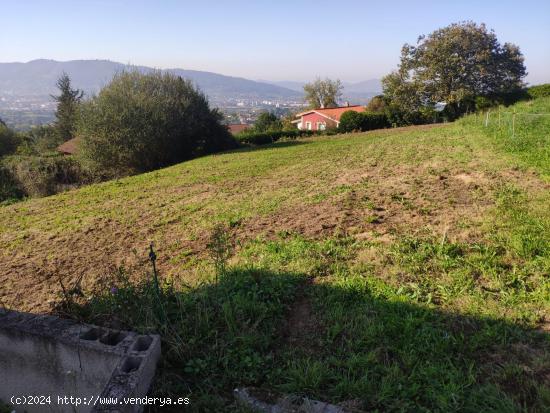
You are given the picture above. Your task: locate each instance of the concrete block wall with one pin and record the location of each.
(42, 355)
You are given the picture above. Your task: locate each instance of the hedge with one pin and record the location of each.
(362, 121)
(539, 91)
(264, 138)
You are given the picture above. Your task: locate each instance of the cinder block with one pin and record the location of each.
(42, 355)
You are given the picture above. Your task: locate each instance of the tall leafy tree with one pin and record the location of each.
(377, 104)
(67, 108)
(323, 93)
(267, 121)
(140, 122)
(453, 65)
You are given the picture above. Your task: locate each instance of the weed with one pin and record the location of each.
(220, 248)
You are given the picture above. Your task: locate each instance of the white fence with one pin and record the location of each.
(507, 119)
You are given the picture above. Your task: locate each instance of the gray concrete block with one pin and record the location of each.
(43, 355)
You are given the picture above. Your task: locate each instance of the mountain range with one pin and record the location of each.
(365, 87)
(38, 78)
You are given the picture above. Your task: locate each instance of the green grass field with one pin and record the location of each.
(394, 270)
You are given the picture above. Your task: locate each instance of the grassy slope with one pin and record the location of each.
(402, 270)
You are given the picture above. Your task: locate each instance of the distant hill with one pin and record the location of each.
(38, 77)
(371, 86)
(358, 92)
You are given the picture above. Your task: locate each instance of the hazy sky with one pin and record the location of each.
(275, 40)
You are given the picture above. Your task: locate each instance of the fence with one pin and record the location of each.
(524, 134)
(510, 120)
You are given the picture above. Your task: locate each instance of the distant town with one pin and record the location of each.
(23, 112)
(245, 111)
(26, 90)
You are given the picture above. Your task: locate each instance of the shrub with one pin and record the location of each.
(397, 116)
(370, 121)
(483, 103)
(9, 189)
(267, 121)
(43, 175)
(140, 122)
(264, 138)
(8, 140)
(39, 139)
(377, 104)
(539, 91)
(512, 96)
(362, 121)
(350, 121)
(257, 138)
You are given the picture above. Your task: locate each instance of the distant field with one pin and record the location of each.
(22, 120)
(395, 270)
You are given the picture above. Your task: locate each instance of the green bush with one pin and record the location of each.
(397, 116)
(267, 121)
(350, 121)
(370, 121)
(9, 188)
(539, 91)
(484, 103)
(512, 96)
(141, 122)
(377, 104)
(8, 140)
(362, 121)
(39, 140)
(41, 175)
(264, 138)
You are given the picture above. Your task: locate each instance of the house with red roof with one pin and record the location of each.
(324, 118)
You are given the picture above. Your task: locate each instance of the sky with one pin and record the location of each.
(273, 40)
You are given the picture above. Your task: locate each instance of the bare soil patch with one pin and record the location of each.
(373, 202)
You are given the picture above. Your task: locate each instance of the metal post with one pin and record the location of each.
(487, 119)
(514, 124)
(499, 117)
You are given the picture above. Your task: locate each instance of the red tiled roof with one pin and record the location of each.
(237, 127)
(70, 147)
(334, 113)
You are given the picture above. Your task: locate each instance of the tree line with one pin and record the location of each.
(452, 71)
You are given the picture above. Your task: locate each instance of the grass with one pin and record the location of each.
(394, 270)
(527, 136)
(4, 408)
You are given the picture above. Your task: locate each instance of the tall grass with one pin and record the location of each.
(522, 129)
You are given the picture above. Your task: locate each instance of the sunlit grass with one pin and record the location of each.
(436, 298)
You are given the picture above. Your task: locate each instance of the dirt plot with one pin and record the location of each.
(390, 204)
(371, 198)
(378, 203)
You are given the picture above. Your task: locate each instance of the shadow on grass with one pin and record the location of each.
(343, 341)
